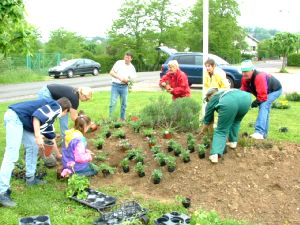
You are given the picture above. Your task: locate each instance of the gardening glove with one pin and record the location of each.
(255, 103)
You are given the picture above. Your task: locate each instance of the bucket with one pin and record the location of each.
(48, 146)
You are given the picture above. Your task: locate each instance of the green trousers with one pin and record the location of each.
(232, 107)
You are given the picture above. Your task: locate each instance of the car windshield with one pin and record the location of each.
(67, 63)
(218, 60)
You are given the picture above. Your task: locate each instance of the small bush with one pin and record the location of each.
(294, 96)
(281, 104)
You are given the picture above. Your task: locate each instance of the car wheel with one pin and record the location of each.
(230, 81)
(95, 71)
(82, 75)
(70, 73)
(56, 76)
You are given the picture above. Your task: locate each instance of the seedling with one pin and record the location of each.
(119, 134)
(77, 185)
(101, 156)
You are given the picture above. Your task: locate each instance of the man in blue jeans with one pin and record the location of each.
(27, 123)
(266, 89)
(122, 72)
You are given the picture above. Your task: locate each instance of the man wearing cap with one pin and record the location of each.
(232, 105)
(266, 88)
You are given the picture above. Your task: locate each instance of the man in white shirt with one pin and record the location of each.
(122, 72)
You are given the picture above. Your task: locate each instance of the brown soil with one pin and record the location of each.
(259, 184)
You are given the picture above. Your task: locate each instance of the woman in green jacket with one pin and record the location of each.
(231, 105)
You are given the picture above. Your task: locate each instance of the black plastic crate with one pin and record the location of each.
(97, 200)
(172, 219)
(35, 220)
(126, 212)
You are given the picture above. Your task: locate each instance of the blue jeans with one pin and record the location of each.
(116, 91)
(262, 120)
(44, 93)
(15, 136)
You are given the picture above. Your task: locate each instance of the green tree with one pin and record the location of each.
(14, 30)
(285, 43)
(226, 38)
(65, 42)
(265, 50)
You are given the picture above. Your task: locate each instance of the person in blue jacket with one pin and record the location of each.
(28, 123)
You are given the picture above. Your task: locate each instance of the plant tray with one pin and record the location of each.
(35, 220)
(172, 219)
(97, 200)
(125, 212)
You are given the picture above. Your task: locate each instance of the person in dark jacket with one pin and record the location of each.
(56, 91)
(232, 105)
(175, 81)
(266, 88)
(28, 123)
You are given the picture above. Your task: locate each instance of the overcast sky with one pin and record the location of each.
(91, 18)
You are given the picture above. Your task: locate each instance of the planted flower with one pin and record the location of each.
(105, 132)
(171, 163)
(160, 157)
(124, 144)
(171, 145)
(136, 126)
(156, 176)
(177, 149)
(206, 141)
(101, 156)
(99, 143)
(201, 151)
(118, 124)
(148, 132)
(152, 141)
(106, 169)
(125, 165)
(168, 133)
(140, 169)
(191, 145)
(139, 157)
(132, 153)
(119, 134)
(155, 149)
(185, 155)
(281, 104)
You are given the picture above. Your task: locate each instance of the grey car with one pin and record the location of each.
(75, 67)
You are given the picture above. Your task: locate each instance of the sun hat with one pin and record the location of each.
(247, 65)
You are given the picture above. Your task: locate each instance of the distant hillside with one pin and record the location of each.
(261, 33)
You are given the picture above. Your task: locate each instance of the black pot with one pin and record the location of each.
(283, 129)
(186, 160)
(201, 155)
(99, 147)
(191, 148)
(162, 163)
(170, 149)
(186, 202)
(177, 153)
(156, 180)
(105, 173)
(141, 174)
(117, 125)
(125, 169)
(108, 134)
(122, 136)
(171, 169)
(206, 145)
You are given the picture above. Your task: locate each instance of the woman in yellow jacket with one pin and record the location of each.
(214, 77)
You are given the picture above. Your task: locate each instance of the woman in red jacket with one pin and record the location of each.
(175, 81)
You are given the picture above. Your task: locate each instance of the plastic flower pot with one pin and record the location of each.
(108, 134)
(191, 149)
(48, 146)
(168, 136)
(99, 146)
(186, 202)
(201, 155)
(170, 149)
(134, 118)
(151, 145)
(171, 169)
(156, 180)
(186, 160)
(283, 129)
(125, 169)
(141, 174)
(93, 127)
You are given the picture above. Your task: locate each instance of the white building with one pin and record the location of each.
(252, 45)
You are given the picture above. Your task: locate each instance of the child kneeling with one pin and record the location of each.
(76, 157)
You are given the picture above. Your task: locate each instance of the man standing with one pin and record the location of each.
(27, 123)
(122, 72)
(266, 89)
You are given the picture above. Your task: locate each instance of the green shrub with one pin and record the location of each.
(181, 114)
(294, 96)
(293, 60)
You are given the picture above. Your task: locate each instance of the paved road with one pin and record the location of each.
(146, 81)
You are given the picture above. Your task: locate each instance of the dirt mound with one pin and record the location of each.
(259, 184)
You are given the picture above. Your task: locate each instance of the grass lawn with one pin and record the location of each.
(50, 199)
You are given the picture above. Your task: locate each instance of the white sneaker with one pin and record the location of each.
(213, 158)
(231, 144)
(257, 136)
